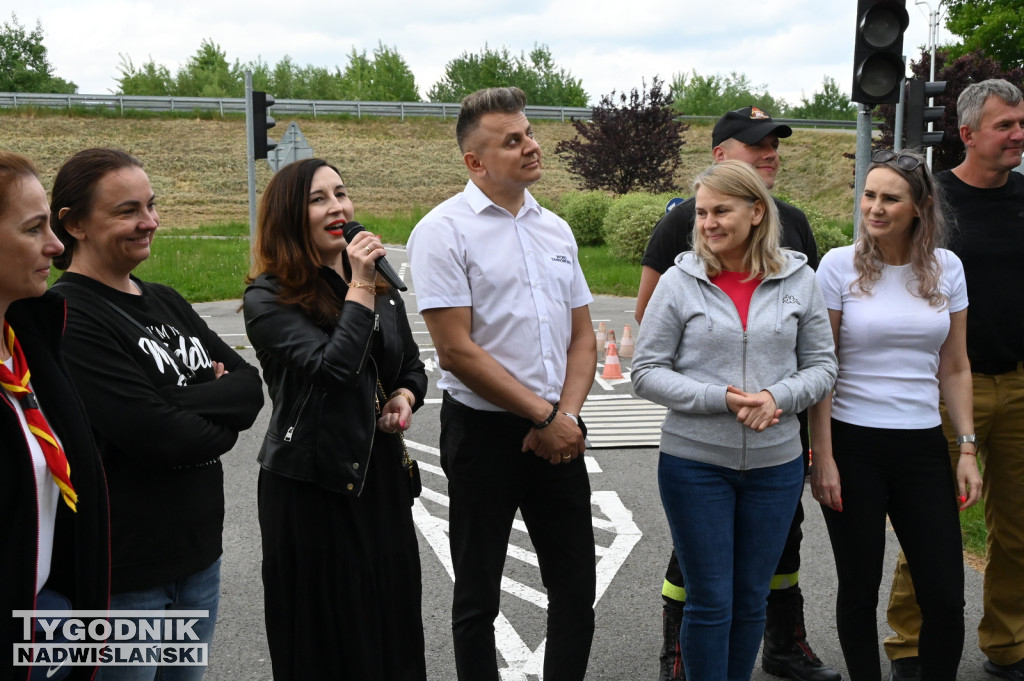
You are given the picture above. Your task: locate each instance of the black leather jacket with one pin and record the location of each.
(323, 381)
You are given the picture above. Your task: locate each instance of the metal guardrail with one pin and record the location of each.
(792, 122)
(318, 107)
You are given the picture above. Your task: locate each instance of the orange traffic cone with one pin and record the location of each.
(601, 335)
(626, 349)
(612, 368)
(610, 340)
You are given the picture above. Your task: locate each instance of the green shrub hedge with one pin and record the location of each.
(629, 223)
(585, 213)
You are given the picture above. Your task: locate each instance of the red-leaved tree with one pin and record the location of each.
(634, 144)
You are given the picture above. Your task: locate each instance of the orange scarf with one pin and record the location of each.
(17, 383)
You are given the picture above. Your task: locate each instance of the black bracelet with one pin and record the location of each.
(548, 420)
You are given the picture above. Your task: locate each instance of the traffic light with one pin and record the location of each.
(261, 123)
(878, 51)
(919, 114)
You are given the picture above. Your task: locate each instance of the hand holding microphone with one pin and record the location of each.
(381, 264)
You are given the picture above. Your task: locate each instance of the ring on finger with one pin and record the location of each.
(368, 249)
(566, 457)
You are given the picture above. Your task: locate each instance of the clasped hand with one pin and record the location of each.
(560, 441)
(756, 411)
(396, 415)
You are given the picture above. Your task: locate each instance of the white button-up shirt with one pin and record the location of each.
(520, 275)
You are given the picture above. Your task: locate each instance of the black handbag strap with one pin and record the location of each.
(183, 369)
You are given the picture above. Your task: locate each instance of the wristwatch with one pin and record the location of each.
(964, 439)
(578, 420)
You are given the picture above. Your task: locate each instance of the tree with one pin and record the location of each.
(208, 74)
(635, 144)
(538, 76)
(387, 78)
(553, 86)
(831, 104)
(958, 74)
(995, 27)
(151, 79)
(697, 95)
(24, 66)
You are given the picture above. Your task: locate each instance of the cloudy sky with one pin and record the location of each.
(787, 45)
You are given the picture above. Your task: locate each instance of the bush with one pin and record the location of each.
(585, 211)
(546, 202)
(827, 232)
(629, 223)
(635, 144)
(828, 236)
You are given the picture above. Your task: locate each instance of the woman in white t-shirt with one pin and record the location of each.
(898, 308)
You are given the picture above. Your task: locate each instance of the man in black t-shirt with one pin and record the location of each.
(748, 135)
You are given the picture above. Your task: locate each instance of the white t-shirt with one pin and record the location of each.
(47, 492)
(889, 342)
(519, 273)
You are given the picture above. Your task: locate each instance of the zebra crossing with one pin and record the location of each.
(621, 421)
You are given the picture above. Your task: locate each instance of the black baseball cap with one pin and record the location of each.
(749, 125)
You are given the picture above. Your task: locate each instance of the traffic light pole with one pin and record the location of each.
(933, 39)
(863, 161)
(250, 159)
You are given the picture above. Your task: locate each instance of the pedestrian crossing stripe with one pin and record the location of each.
(615, 423)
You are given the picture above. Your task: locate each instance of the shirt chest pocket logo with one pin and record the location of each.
(559, 271)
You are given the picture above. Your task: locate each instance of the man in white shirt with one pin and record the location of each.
(499, 285)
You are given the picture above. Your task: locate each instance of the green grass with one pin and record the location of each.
(607, 275)
(201, 270)
(972, 527)
(394, 228)
(205, 269)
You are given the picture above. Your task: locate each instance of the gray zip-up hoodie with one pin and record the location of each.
(692, 346)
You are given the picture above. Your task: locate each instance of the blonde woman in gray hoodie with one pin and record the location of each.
(735, 341)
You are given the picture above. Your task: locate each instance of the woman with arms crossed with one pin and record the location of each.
(898, 309)
(165, 395)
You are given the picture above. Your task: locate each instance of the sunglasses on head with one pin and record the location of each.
(908, 163)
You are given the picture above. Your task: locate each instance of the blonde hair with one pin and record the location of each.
(738, 179)
(927, 232)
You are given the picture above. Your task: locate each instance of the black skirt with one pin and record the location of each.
(341, 576)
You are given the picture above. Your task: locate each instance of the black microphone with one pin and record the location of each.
(383, 266)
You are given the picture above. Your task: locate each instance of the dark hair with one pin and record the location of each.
(283, 246)
(74, 188)
(488, 100)
(13, 167)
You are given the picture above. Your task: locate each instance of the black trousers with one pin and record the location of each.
(489, 478)
(905, 474)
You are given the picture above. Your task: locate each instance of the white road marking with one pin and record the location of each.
(612, 520)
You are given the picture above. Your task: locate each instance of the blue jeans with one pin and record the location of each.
(729, 528)
(198, 591)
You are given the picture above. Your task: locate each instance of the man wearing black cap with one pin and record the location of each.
(748, 135)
